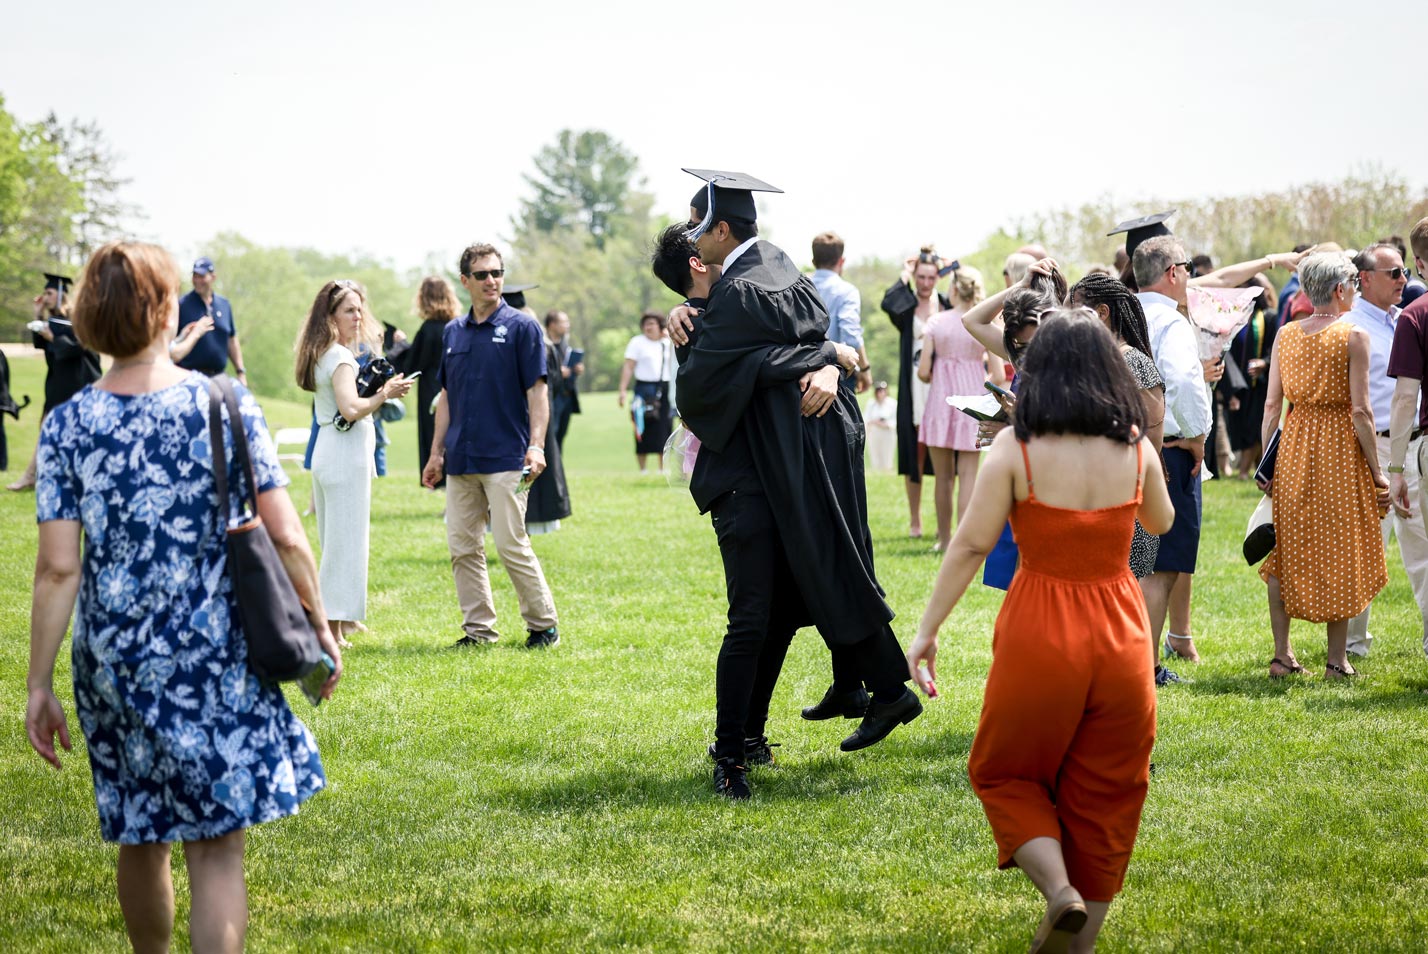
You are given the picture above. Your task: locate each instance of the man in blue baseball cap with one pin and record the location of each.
(207, 338)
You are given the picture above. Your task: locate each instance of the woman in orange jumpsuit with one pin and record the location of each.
(1061, 759)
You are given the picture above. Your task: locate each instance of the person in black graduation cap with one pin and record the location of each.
(69, 365)
(781, 471)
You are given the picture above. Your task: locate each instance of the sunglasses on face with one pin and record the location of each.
(1394, 274)
(486, 273)
(1189, 267)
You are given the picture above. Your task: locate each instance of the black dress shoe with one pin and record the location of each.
(756, 751)
(849, 705)
(881, 719)
(731, 780)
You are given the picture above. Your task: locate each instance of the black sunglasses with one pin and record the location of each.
(1189, 267)
(1394, 274)
(484, 274)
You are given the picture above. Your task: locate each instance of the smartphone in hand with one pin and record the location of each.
(526, 481)
(313, 682)
(1000, 392)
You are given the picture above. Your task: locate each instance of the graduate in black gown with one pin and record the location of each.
(780, 470)
(8, 405)
(437, 304)
(900, 304)
(69, 365)
(548, 500)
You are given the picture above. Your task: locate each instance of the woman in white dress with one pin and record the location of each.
(342, 458)
(880, 417)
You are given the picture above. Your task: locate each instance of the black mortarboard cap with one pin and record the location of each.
(60, 283)
(515, 295)
(732, 195)
(1138, 230)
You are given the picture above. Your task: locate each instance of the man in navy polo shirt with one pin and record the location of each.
(491, 418)
(207, 339)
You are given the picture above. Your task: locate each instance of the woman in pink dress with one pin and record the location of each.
(954, 363)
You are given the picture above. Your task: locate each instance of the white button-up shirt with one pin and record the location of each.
(1379, 324)
(1177, 357)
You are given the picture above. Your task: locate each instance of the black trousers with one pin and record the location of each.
(765, 610)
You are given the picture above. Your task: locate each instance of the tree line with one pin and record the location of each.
(583, 233)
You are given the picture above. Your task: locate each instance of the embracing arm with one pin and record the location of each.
(56, 585)
(1233, 276)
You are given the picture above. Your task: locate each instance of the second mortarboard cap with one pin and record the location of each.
(731, 194)
(1138, 230)
(515, 295)
(60, 283)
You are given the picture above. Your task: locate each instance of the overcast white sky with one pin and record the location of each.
(402, 129)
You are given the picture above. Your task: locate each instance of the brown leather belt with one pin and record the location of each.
(1413, 435)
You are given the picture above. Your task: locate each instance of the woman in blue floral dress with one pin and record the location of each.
(184, 743)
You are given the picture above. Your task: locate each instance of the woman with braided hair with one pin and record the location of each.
(1117, 306)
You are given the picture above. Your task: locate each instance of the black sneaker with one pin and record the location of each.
(731, 780)
(542, 639)
(467, 642)
(756, 751)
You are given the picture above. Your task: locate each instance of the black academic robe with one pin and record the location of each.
(900, 303)
(764, 326)
(549, 498)
(70, 365)
(8, 406)
(424, 355)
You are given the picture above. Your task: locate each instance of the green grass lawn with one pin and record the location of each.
(501, 800)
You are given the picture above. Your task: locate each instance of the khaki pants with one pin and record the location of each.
(1412, 542)
(469, 500)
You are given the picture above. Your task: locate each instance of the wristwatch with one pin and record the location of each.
(1394, 470)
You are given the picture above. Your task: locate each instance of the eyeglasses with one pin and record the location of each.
(344, 284)
(1394, 274)
(486, 273)
(1355, 283)
(1189, 267)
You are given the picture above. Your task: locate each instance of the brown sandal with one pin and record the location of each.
(1293, 669)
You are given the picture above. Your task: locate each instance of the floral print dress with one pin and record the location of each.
(184, 742)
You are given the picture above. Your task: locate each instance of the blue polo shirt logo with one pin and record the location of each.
(501, 334)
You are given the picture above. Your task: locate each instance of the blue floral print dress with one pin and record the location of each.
(184, 742)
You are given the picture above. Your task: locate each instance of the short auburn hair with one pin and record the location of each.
(126, 296)
(827, 249)
(476, 251)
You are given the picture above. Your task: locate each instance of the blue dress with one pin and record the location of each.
(184, 742)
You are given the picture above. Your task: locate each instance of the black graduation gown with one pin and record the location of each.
(70, 365)
(763, 327)
(424, 355)
(7, 406)
(549, 498)
(900, 303)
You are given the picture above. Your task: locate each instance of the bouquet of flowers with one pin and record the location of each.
(1219, 314)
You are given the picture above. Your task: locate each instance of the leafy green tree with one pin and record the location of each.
(38, 203)
(583, 181)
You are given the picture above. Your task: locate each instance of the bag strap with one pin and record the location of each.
(215, 440)
(221, 389)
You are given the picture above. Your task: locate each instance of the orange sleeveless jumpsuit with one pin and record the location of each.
(1068, 719)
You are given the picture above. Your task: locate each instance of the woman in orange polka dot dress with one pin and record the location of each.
(1327, 564)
